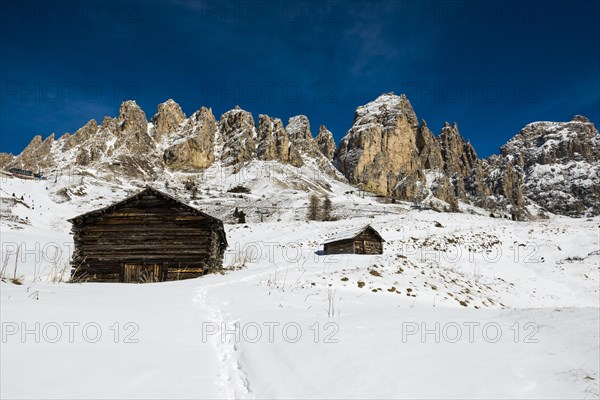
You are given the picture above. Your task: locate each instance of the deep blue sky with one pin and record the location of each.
(492, 67)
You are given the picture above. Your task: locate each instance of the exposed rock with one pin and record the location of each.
(429, 148)
(237, 135)
(379, 151)
(556, 165)
(462, 166)
(132, 118)
(386, 151)
(5, 159)
(505, 181)
(273, 142)
(410, 186)
(167, 119)
(81, 135)
(298, 128)
(194, 146)
(109, 124)
(36, 156)
(266, 147)
(133, 135)
(325, 142)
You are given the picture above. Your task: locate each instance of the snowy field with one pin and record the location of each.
(460, 305)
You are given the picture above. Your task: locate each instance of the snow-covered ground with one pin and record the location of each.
(460, 305)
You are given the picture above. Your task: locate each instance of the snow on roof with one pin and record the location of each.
(138, 194)
(349, 234)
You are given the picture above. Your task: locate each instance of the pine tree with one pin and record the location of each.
(313, 208)
(326, 209)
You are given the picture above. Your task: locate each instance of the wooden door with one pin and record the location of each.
(143, 273)
(359, 247)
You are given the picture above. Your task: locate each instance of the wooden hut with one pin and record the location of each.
(365, 240)
(148, 237)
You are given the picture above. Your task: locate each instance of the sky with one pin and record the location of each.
(490, 66)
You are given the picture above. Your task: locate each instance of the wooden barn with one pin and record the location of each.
(148, 237)
(365, 240)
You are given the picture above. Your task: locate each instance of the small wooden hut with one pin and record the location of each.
(148, 237)
(365, 240)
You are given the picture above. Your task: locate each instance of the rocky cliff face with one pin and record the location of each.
(386, 151)
(81, 135)
(379, 151)
(5, 159)
(192, 147)
(389, 152)
(129, 146)
(274, 142)
(237, 135)
(37, 155)
(556, 165)
(325, 142)
(306, 146)
(167, 119)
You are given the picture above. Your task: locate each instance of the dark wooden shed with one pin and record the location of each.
(148, 237)
(365, 240)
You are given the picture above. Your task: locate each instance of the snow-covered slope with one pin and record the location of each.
(484, 307)
(559, 163)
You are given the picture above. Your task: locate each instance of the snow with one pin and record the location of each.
(349, 234)
(376, 326)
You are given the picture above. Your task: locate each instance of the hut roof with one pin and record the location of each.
(146, 190)
(352, 233)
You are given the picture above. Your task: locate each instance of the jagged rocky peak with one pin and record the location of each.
(559, 165)
(580, 118)
(132, 118)
(81, 135)
(237, 133)
(459, 156)
(273, 142)
(550, 142)
(36, 155)
(380, 148)
(167, 119)
(428, 147)
(298, 128)
(5, 159)
(109, 124)
(386, 109)
(193, 146)
(134, 145)
(325, 142)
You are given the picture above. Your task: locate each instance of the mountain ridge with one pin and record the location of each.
(387, 151)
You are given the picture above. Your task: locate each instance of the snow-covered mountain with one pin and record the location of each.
(558, 164)
(449, 286)
(548, 166)
(454, 299)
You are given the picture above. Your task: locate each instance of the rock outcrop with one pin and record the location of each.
(194, 146)
(81, 135)
(5, 159)
(379, 151)
(554, 164)
(273, 142)
(167, 119)
(302, 140)
(36, 156)
(325, 142)
(388, 152)
(237, 135)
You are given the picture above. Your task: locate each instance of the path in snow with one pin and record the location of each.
(232, 380)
